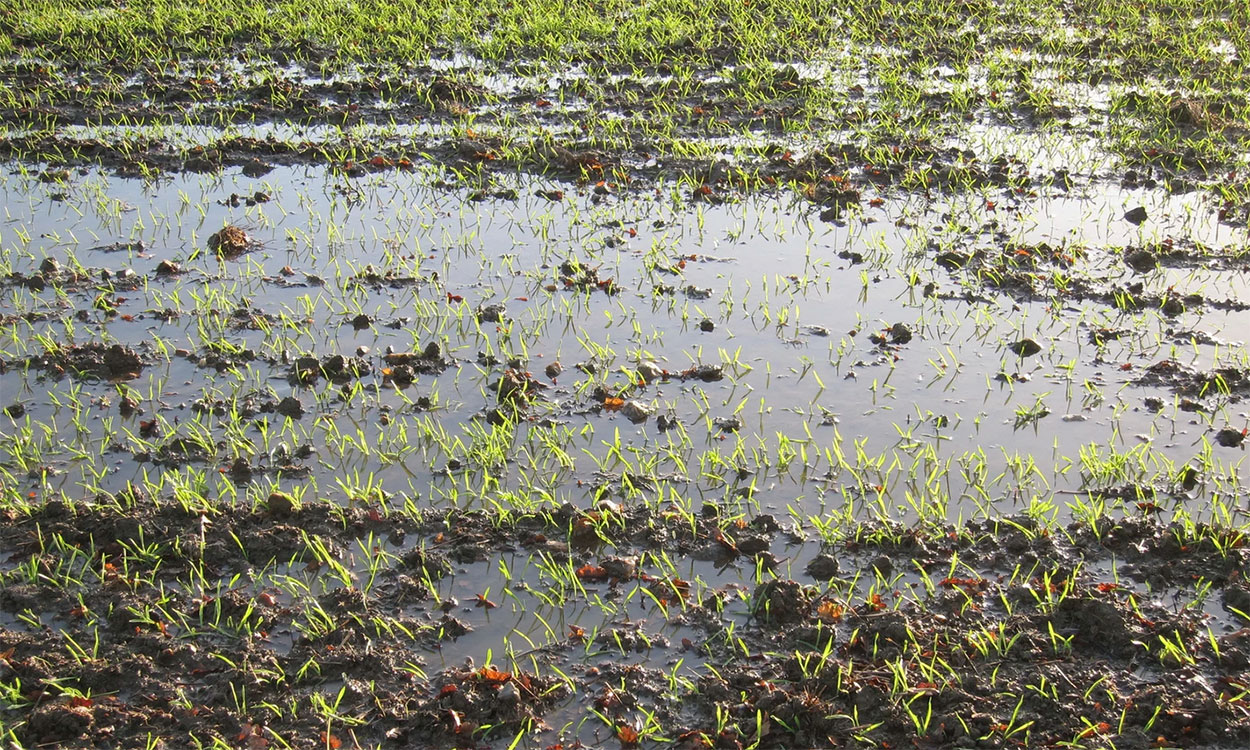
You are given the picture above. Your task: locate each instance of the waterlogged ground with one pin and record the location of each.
(875, 395)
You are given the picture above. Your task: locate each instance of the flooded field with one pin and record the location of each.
(710, 384)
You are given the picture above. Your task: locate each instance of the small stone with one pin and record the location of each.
(649, 371)
(621, 568)
(1135, 215)
(900, 333)
(49, 267)
(280, 503)
(361, 321)
(168, 268)
(635, 411)
(1188, 477)
(706, 325)
(608, 506)
(553, 370)
(362, 350)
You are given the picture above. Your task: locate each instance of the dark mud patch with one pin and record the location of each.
(1010, 632)
(1197, 386)
(112, 362)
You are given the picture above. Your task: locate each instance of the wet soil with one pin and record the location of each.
(219, 563)
(1009, 632)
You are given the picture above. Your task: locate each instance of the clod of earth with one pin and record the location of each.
(822, 567)
(111, 362)
(780, 602)
(334, 367)
(515, 388)
(1025, 347)
(1230, 438)
(1140, 259)
(290, 406)
(706, 373)
(229, 242)
(493, 313)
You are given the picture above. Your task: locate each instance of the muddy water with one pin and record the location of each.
(788, 305)
(887, 338)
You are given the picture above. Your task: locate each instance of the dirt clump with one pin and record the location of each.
(105, 361)
(230, 242)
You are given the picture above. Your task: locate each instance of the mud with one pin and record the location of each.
(1036, 645)
(542, 454)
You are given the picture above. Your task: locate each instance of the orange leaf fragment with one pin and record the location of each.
(592, 573)
(627, 735)
(494, 676)
(829, 612)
